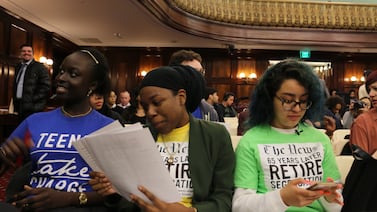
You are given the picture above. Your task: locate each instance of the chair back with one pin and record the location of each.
(338, 140)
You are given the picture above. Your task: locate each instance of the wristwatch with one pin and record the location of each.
(83, 199)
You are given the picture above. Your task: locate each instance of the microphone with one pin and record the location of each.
(298, 132)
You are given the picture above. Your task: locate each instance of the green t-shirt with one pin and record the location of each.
(267, 159)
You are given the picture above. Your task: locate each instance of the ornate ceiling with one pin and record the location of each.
(319, 25)
(298, 14)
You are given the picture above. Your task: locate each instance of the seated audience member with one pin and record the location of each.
(350, 97)
(97, 101)
(124, 102)
(367, 103)
(134, 113)
(361, 185)
(362, 89)
(59, 176)
(281, 155)
(334, 105)
(243, 118)
(112, 100)
(355, 109)
(225, 108)
(193, 59)
(333, 92)
(211, 97)
(168, 95)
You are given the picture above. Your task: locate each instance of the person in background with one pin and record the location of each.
(355, 109)
(97, 101)
(225, 108)
(362, 89)
(281, 155)
(112, 100)
(334, 105)
(124, 102)
(367, 103)
(168, 95)
(334, 92)
(243, 118)
(187, 58)
(59, 176)
(194, 60)
(350, 98)
(31, 86)
(360, 186)
(134, 113)
(210, 95)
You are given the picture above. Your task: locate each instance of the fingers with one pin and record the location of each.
(14, 148)
(148, 194)
(32, 199)
(103, 189)
(156, 202)
(101, 184)
(299, 181)
(339, 185)
(22, 199)
(95, 174)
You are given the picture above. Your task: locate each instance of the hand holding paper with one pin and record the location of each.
(129, 158)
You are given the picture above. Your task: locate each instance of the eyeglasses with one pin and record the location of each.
(91, 55)
(290, 104)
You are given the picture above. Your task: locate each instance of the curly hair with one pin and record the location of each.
(332, 101)
(262, 107)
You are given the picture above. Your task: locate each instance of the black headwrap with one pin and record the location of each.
(175, 78)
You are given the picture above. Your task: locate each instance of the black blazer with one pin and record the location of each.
(35, 91)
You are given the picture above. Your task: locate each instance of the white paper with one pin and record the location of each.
(129, 158)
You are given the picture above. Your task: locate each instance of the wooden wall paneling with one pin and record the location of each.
(114, 76)
(18, 36)
(10, 71)
(3, 84)
(261, 66)
(370, 64)
(246, 66)
(2, 38)
(244, 90)
(6, 80)
(149, 62)
(353, 68)
(39, 46)
(221, 68)
(337, 79)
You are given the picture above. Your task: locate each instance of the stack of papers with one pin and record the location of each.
(129, 157)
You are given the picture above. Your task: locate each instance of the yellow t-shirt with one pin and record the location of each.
(174, 146)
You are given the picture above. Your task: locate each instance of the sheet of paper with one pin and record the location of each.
(129, 158)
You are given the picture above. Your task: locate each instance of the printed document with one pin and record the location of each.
(129, 157)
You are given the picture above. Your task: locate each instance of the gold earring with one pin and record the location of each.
(89, 92)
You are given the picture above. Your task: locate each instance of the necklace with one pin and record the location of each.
(170, 160)
(78, 115)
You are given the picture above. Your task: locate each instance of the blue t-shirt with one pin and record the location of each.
(55, 162)
(197, 113)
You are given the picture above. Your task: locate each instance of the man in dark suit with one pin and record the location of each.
(31, 84)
